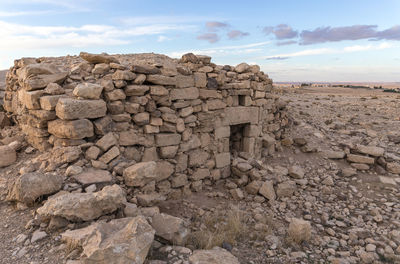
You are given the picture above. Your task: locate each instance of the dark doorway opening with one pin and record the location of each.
(236, 139)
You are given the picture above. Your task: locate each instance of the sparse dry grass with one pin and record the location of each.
(72, 245)
(219, 228)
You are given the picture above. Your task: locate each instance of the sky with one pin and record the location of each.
(291, 40)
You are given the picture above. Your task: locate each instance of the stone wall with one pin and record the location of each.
(145, 108)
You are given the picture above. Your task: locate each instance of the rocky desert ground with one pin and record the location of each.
(328, 193)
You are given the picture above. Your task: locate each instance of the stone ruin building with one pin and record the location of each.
(190, 118)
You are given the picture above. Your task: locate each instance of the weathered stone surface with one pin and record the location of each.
(98, 58)
(49, 102)
(267, 190)
(216, 255)
(68, 108)
(161, 80)
(30, 186)
(393, 167)
(184, 81)
(371, 150)
(360, 159)
(93, 176)
(242, 67)
(184, 93)
(107, 141)
(299, 230)
(296, 172)
(164, 170)
(140, 174)
(170, 228)
(222, 159)
(241, 115)
(110, 155)
(136, 90)
(163, 140)
(334, 154)
(76, 129)
(131, 137)
(158, 90)
(41, 81)
(123, 241)
(145, 69)
(285, 189)
(4, 120)
(84, 206)
(88, 90)
(7, 156)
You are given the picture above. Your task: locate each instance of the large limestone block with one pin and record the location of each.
(98, 58)
(241, 115)
(122, 241)
(216, 255)
(88, 90)
(183, 81)
(84, 206)
(136, 90)
(184, 94)
(93, 176)
(49, 102)
(139, 174)
(76, 129)
(170, 228)
(30, 186)
(68, 108)
(7, 156)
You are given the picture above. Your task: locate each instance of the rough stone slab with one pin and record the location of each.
(93, 176)
(110, 155)
(124, 241)
(241, 115)
(161, 79)
(98, 58)
(68, 108)
(7, 156)
(88, 90)
(184, 81)
(107, 141)
(84, 206)
(163, 140)
(41, 81)
(222, 159)
(184, 94)
(136, 90)
(371, 150)
(76, 129)
(360, 159)
(140, 174)
(30, 186)
(170, 228)
(49, 102)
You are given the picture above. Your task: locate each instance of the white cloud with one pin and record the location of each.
(162, 38)
(18, 36)
(146, 20)
(237, 49)
(24, 13)
(320, 51)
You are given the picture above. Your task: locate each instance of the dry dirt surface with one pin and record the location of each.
(354, 215)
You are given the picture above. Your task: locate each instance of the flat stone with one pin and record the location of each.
(184, 94)
(267, 190)
(84, 206)
(371, 150)
(136, 90)
(68, 108)
(93, 176)
(163, 140)
(107, 141)
(360, 159)
(170, 228)
(330, 154)
(76, 129)
(222, 159)
(296, 172)
(98, 58)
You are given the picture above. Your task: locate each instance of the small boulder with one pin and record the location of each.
(140, 174)
(296, 172)
(30, 186)
(122, 241)
(84, 206)
(7, 156)
(170, 228)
